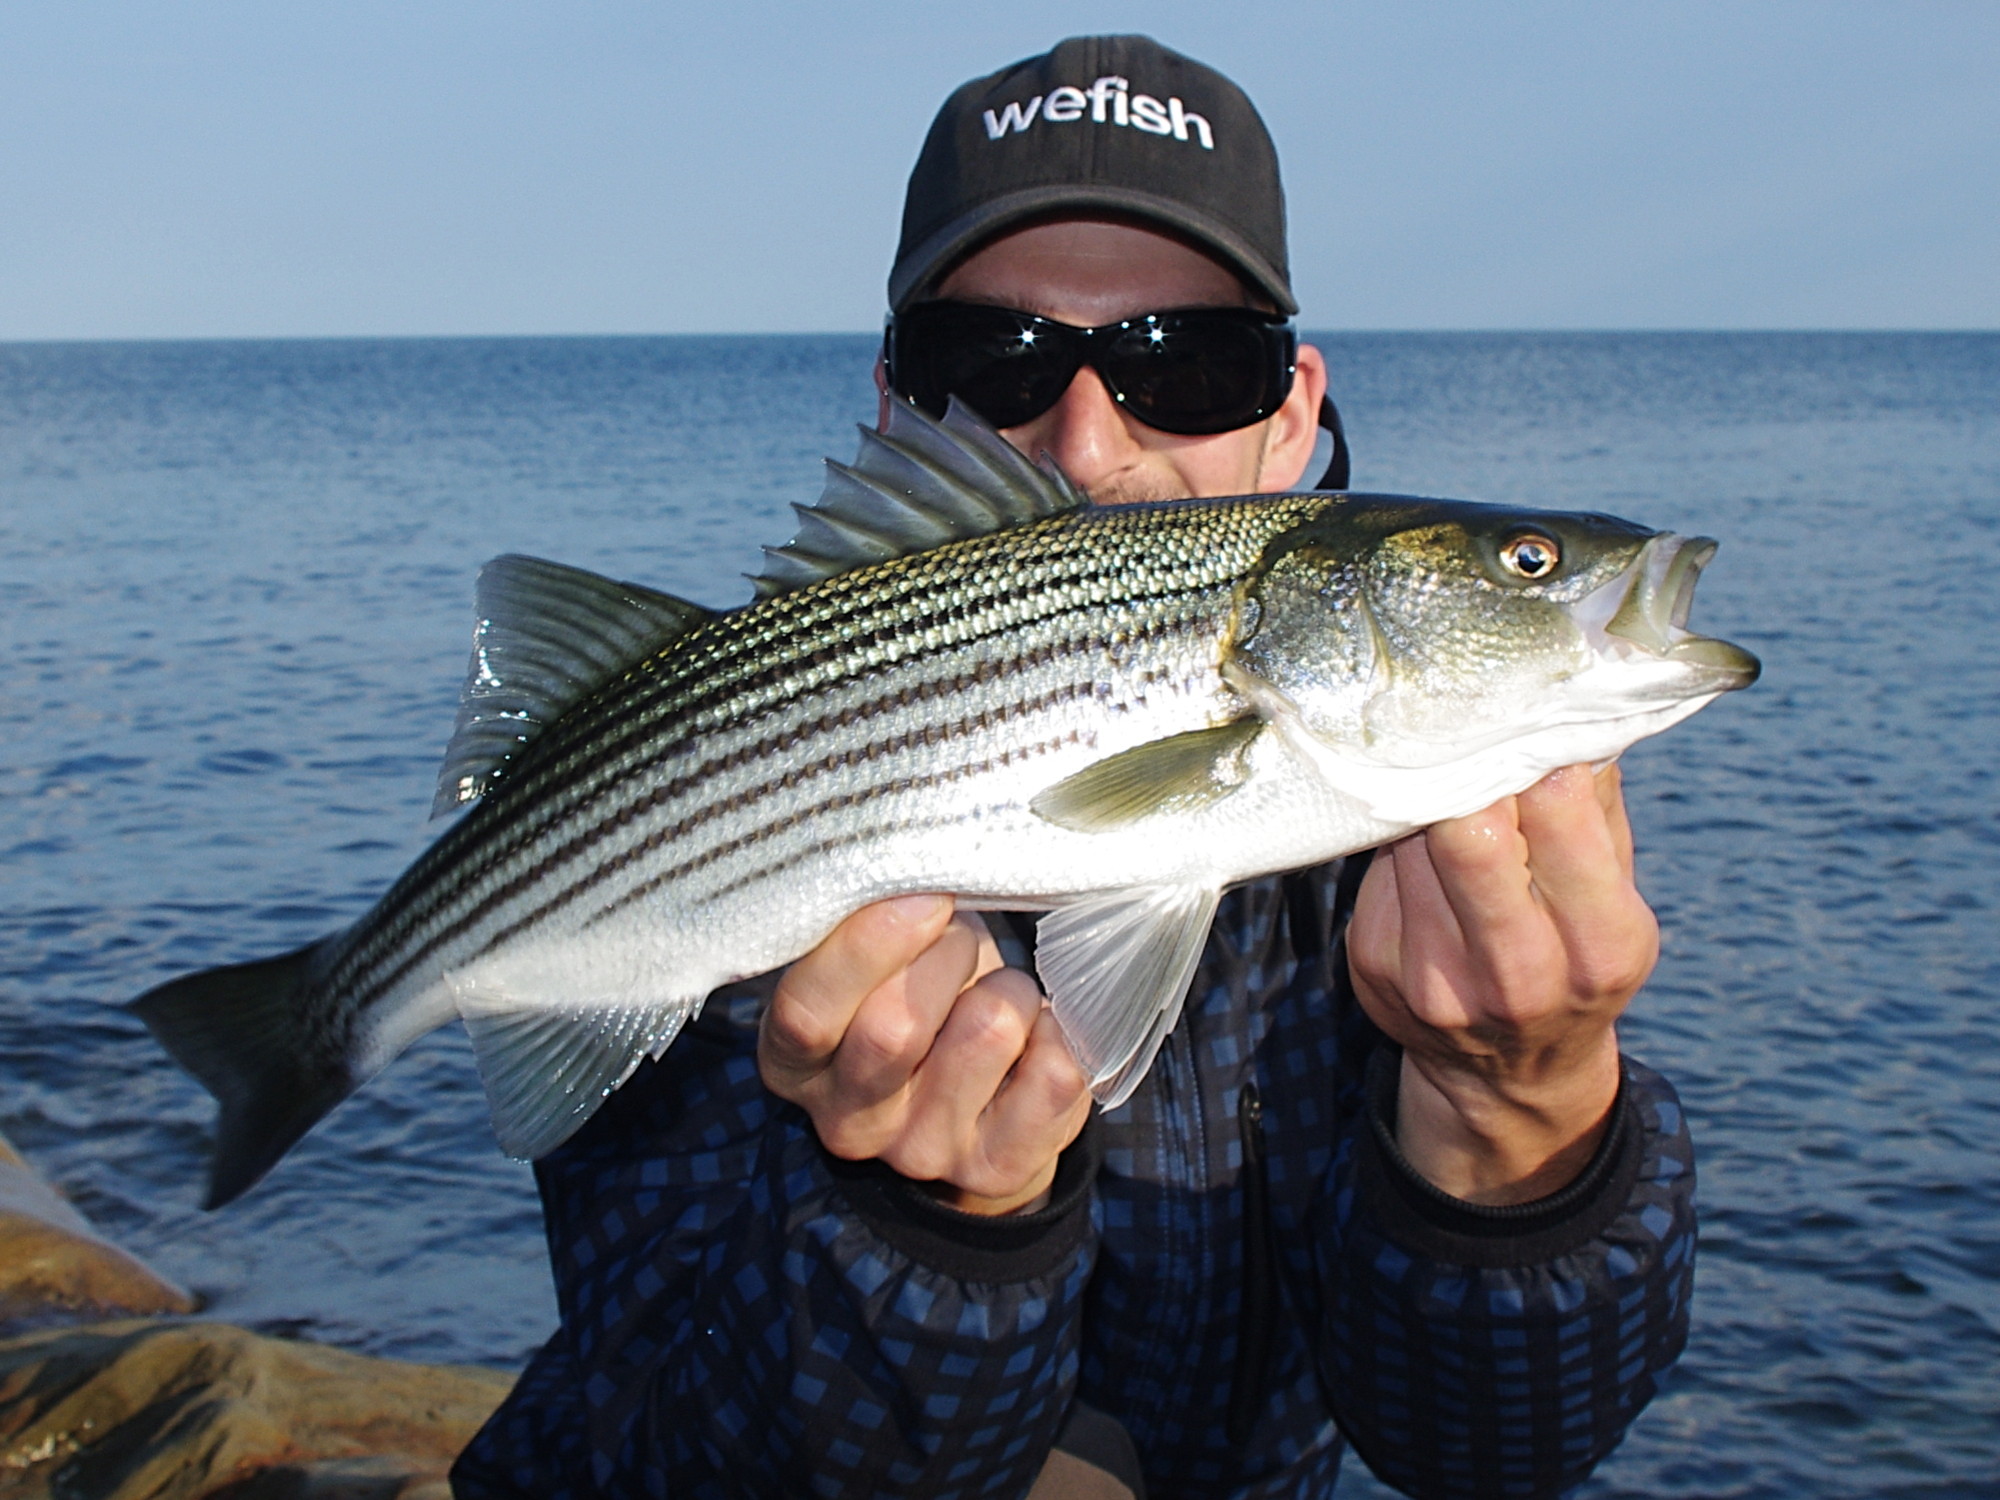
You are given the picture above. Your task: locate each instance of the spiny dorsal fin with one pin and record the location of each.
(922, 483)
(547, 635)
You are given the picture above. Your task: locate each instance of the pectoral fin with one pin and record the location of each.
(1177, 774)
(1117, 969)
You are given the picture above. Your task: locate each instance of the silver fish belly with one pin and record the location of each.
(960, 678)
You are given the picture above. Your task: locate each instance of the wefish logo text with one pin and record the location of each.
(1109, 102)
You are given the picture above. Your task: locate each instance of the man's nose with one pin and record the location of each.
(1085, 432)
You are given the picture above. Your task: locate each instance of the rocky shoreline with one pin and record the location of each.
(114, 1393)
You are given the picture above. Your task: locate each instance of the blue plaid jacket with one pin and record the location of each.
(1237, 1264)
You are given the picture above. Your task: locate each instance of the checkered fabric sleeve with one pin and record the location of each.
(1503, 1351)
(744, 1315)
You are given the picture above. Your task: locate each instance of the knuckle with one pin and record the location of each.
(845, 1137)
(1021, 991)
(1613, 971)
(1052, 1078)
(885, 1037)
(794, 1031)
(922, 1158)
(1370, 962)
(1613, 981)
(992, 1018)
(1518, 984)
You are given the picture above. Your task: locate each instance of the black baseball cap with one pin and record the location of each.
(1115, 124)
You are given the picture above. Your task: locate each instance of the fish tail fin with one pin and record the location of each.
(245, 1033)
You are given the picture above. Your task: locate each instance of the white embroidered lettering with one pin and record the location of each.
(1064, 104)
(1181, 119)
(1150, 115)
(1013, 117)
(1110, 103)
(1101, 93)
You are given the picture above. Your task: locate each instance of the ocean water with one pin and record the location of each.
(235, 598)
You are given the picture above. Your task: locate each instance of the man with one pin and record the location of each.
(861, 1232)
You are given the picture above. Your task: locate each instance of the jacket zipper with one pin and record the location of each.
(1257, 1319)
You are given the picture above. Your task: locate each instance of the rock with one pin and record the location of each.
(179, 1411)
(184, 1411)
(52, 1260)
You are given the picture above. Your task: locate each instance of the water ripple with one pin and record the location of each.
(237, 595)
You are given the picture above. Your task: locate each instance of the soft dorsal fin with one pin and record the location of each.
(547, 635)
(922, 483)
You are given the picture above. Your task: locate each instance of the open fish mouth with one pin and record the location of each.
(1653, 612)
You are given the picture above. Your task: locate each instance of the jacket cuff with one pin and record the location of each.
(1421, 1216)
(976, 1247)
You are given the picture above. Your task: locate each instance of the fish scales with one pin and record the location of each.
(1110, 715)
(734, 699)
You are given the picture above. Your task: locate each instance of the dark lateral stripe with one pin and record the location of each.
(639, 716)
(903, 698)
(896, 744)
(848, 839)
(763, 647)
(518, 835)
(753, 662)
(516, 815)
(740, 663)
(613, 813)
(840, 802)
(565, 896)
(1062, 556)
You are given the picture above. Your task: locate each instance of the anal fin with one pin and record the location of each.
(548, 1068)
(1117, 969)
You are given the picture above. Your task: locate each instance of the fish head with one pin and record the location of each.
(1414, 632)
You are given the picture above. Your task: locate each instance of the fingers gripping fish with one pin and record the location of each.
(958, 676)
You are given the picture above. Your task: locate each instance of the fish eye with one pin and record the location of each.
(1531, 556)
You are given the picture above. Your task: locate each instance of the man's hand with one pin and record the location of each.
(1500, 949)
(906, 1040)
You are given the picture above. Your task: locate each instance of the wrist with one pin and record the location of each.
(1491, 1137)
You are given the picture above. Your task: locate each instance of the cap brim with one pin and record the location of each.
(915, 273)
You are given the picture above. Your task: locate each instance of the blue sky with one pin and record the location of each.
(235, 169)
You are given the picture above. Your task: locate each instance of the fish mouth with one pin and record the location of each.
(1654, 610)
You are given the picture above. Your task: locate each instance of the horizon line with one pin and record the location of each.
(1306, 330)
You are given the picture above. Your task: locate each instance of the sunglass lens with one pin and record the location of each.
(995, 361)
(1193, 375)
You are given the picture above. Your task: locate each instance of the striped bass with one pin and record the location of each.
(959, 677)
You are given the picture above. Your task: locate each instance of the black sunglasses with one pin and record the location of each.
(1192, 371)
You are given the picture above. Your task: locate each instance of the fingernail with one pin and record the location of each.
(916, 910)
